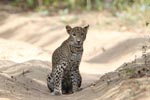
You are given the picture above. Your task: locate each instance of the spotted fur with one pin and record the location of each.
(65, 76)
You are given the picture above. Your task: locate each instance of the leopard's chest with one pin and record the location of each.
(75, 57)
(75, 60)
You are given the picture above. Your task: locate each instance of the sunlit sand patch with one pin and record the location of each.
(5, 99)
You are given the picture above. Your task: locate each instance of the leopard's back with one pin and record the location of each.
(60, 54)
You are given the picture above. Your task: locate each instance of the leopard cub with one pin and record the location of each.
(65, 77)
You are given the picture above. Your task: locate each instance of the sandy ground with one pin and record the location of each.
(27, 42)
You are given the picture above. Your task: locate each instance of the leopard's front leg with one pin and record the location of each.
(58, 77)
(76, 80)
(50, 82)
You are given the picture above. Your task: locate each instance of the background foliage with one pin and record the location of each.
(77, 4)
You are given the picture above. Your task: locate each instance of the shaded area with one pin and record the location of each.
(11, 32)
(121, 49)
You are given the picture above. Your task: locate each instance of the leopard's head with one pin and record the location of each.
(77, 35)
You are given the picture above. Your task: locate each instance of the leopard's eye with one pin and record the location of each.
(74, 34)
(82, 34)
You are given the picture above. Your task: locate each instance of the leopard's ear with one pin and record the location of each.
(86, 27)
(68, 28)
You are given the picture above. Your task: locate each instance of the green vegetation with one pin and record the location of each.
(78, 4)
(130, 72)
